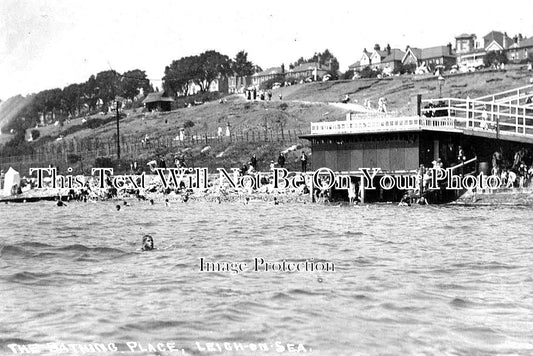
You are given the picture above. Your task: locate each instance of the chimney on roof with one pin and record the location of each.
(388, 49)
(377, 47)
(449, 45)
(515, 38)
(520, 37)
(504, 40)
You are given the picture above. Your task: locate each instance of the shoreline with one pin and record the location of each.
(508, 197)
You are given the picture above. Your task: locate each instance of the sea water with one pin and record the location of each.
(434, 280)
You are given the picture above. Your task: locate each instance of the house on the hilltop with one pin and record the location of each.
(220, 84)
(430, 57)
(468, 52)
(355, 66)
(521, 50)
(439, 55)
(363, 62)
(412, 55)
(265, 75)
(158, 101)
(377, 56)
(496, 41)
(239, 84)
(393, 60)
(308, 70)
(465, 43)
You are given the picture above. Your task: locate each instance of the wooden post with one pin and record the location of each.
(362, 189)
(311, 191)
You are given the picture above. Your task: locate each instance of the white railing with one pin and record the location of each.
(374, 124)
(501, 118)
(508, 96)
(446, 114)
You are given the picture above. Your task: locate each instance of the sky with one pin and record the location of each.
(53, 43)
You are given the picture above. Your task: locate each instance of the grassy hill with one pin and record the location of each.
(301, 105)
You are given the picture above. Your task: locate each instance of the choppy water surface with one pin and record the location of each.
(420, 280)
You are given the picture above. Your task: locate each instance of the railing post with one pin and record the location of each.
(467, 114)
(523, 119)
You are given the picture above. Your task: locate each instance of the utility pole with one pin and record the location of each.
(118, 130)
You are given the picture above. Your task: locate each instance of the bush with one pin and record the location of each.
(188, 124)
(368, 72)
(495, 58)
(73, 158)
(103, 162)
(348, 74)
(35, 134)
(409, 68)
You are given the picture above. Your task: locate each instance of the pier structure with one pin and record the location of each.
(439, 129)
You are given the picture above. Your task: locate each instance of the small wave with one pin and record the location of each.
(460, 303)
(26, 277)
(83, 248)
(361, 297)
(489, 265)
(34, 244)
(298, 291)
(7, 341)
(354, 233)
(14, 251)
(281, 296)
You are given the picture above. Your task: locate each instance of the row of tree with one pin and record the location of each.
(98, 92)
(203, 69)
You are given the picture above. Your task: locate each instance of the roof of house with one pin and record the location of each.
(269, 71)
(528, 42)
(498, 37)
(466, 35)
(436, 52)
(416, 51)
(308, 66)
(382, 54)
(355, 65)
(155, 97)
(366, 53)
(395, 55)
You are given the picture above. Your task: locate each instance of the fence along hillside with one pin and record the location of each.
(61, 153)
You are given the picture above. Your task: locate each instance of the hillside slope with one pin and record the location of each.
(301, 105)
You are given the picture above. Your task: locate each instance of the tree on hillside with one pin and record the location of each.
(495, 58)
(212, 65)
(90, 92)
(180, 74)
(109, 86)
(241, 65)
(132, 81)
(70, 98)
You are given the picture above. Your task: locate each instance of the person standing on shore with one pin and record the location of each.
(281, 160)
(303, 160)
(253, 162)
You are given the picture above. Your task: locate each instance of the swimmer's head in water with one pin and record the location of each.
(118, 207)
(148, 243)
(151, 201)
